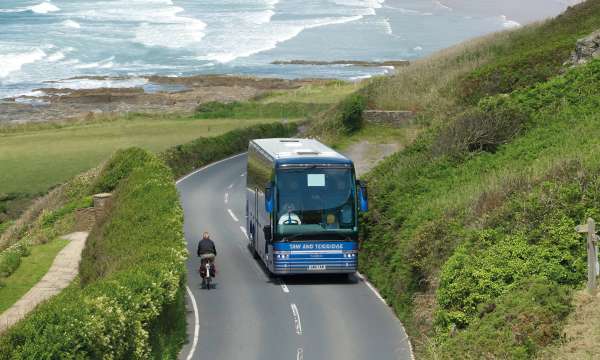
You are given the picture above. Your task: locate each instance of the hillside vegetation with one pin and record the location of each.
(113, 311)
(471, 235)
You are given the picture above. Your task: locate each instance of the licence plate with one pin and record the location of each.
(317, 267)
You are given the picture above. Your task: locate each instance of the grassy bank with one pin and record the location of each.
(470, 232)
(131, 275)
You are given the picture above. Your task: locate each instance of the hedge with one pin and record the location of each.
(133, 267)
(185, 158)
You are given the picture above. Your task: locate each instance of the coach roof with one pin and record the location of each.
(286, 151)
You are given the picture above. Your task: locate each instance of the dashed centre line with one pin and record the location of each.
(230, 187)
(284, 287)
(226, 198)
(300, 354)
(233, 215)
(244, 232)
(297, 321)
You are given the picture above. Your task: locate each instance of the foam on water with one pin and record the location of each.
(44, 8)
(265, 38)
(83, 83)
(71, 24)
(13, 62)
(124, 38)
(509, 24)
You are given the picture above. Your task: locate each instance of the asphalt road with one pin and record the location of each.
(250, 315)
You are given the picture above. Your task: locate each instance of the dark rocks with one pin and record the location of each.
(586, 49)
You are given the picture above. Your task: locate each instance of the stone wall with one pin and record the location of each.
(85, 219)
(392, 118)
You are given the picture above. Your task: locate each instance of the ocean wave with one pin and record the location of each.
(103, 64)
(387, 27)
(440, 5)
(408, 11)
(361, 7)
(232, 48)
(13, 62)
(157, 23)
(44, 8)
(71, 24)
(57, 56)
(86, 83)
(170, 35)
(18, 10)
(509, 24)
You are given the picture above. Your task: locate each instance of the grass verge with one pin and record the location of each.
(32, 269)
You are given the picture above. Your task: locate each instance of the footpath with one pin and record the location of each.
(63, 270)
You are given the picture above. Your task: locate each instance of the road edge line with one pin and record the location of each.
(188, 290)
(184, 177)
(196, 324)
(378, 295)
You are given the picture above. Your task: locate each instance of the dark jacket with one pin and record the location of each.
(206, 246)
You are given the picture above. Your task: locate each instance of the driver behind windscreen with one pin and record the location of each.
(290, 204)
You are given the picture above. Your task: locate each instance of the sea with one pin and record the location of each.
(80, 44)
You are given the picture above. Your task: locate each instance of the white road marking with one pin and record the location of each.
(244, 232)
(243, 174)
(372, 288)
(378, 295)
(284, 287)
(232, 215)
(196, 324)
(207, 166)
(300, 354)
(226, 198)
(297, 321)
(230, 186)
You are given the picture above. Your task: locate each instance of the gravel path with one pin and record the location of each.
(366, 155)
(63, 270)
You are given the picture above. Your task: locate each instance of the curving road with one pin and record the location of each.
(252, 316)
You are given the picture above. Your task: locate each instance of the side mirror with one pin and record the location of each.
(269, 198)
(363, 196)
(268, 233)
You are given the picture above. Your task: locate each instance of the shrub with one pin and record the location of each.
(513, 326)
(480, 130)
(350, 112)
(132, 271)
(120, 166)
(10, 259)
(185, 158)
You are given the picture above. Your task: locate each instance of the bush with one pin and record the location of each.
(132, 273)
(480, 130)
(513, 326)
(351, 110)
(10, 259)
(120, 166)
(185, 158)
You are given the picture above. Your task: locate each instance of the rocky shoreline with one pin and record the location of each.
(158, 94)
(392, 63)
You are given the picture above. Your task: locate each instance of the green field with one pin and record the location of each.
(33, 160)
(32, 269)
